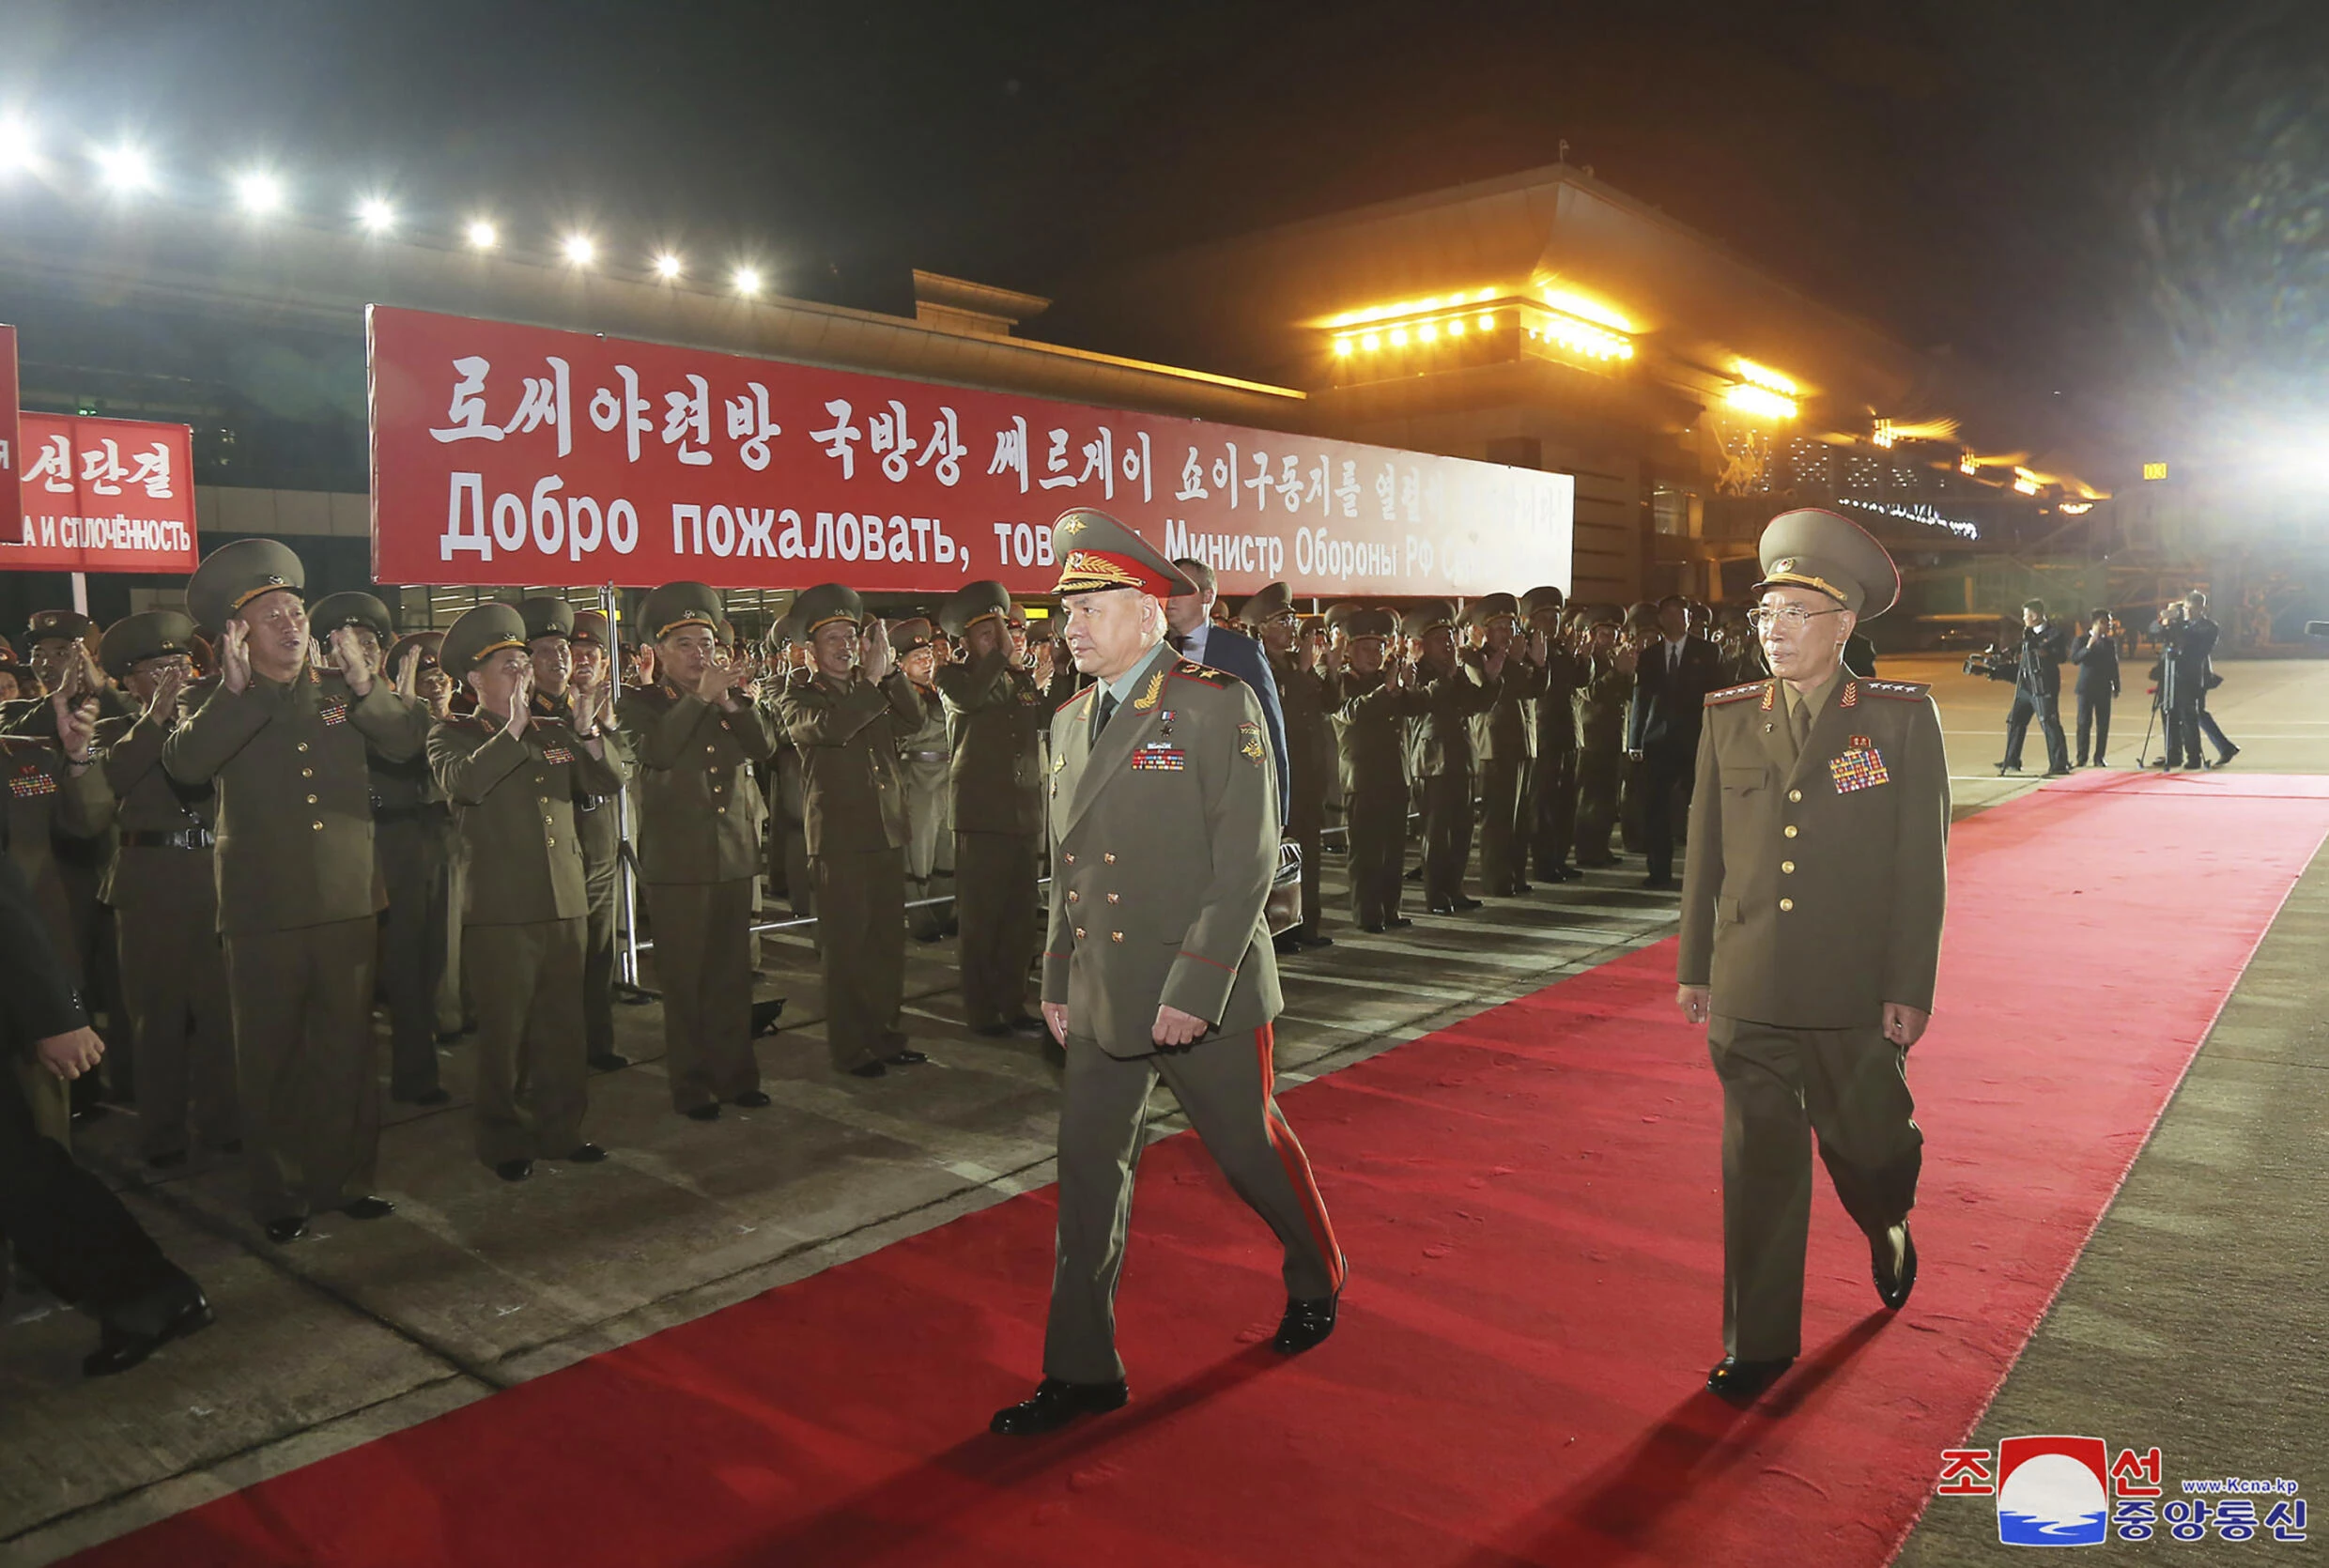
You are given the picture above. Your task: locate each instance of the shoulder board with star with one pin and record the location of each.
(1189, 670)
(1736, 693)
(1900, 691)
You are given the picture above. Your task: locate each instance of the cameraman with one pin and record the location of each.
(2038, 690)
(2096, 654)
(2186, 643)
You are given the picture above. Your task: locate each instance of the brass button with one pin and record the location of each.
(1079, 933)
(723, 810)
(1115, 898)
(1068, 858)
(1787, 868)
(318, 826)
(1794, 796)
(311, 800)
(710, 750)
(1115, 936)
(1109, 859)
(308, 773)
(302, 745)
(1791, 830)
(553, 843)
(545, 799)
(1786, 904)
(1073, 897)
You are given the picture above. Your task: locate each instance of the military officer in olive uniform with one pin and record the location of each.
(513, 775)
(162, 890)
(1307, 695)
(56, 795)
(693, 737)
(1505, 743)
(1549, 816)
(287, 745)
(1602, 702)
(846, 722)
(1440, 747)
(1812, 903)
(569, 650)
(1164, 837)
(999, 719)
(1379, 701)
(926, 769)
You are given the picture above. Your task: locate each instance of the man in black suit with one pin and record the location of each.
(2038, 691)
(2203, 639)
(1196, 636)
(2096, 654)
(1670, 691)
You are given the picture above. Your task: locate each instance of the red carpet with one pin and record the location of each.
(1529, 1203)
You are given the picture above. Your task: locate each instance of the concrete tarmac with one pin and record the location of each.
(2182, 1307)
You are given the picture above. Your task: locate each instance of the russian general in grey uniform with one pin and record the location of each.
(1164, 836)
(1812, 907)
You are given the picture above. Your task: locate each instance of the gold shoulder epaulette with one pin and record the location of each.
(1189, 670)
(1065, 706)
(1736, 693)
(1900, 691)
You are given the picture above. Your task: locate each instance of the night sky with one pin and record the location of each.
(2126, 200)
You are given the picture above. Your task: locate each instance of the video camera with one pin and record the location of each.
(1991, 661)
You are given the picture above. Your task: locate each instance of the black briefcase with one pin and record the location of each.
(1283, 909)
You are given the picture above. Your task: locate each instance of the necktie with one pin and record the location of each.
(1800, 723)
(1107, 711)
(1179, 639)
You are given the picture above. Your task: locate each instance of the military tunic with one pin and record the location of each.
(300, 895)
(1552, 812)
(598, 825)
(926, 769)
(1505, 741)
(1373, 739)
(697, 855)
(1305, 696)
(999, 720)
(1163, 840)
(524, 917)
(1440, 757)
(1811, 896)
(50, 802)
(1601, 700)
(413, 837)
(854, 815)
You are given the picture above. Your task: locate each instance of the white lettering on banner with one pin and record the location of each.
(1386, 491)
(747, 418)
(946, 548)
(1023, 544)
(466, 413)
(622, 526)
(1138, 465)
(629, 410)
(120, 532)
(719, 530)
(839, 440)
(759, 523)
(688, 417)
(848, 538)
(1319, 553)
(1348, 491)
(1042, 548)
(1055, 465)
(876, 543)
(1264, 553)
(942, 453)
(507, 505)
(54, 467)
(790, 544)
(576, 509)
(548, 540)
(544, 403)
(100, 468)
(1011, 452)
(886, 434)
(900, 540)
(693, 516)
(152, 471)
(1192, 478)
(468, 534)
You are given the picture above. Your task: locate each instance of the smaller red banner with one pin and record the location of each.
(12, 515)
(102, 495)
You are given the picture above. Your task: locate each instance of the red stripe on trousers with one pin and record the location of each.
(1297, 1164)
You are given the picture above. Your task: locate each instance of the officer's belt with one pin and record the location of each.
(590, 803)
(411, 813)
(184, 838)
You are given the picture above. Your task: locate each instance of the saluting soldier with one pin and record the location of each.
(162, 890)
(1164, 837)
(1812, 904)
(287, 743)
(569, 652)
(1505, 743)
(1440, 747)
(999, 718)
(693, 737)
(1549, 815)
(1379, 699)
(1601, 704)
(925, 758)
(846, 722)
(1307, 695)
(513, 775)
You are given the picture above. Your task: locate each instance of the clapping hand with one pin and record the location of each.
(874, 655)
(349, 654)
(521, 705)
(233, 651)
(76, 724)
(164, 705)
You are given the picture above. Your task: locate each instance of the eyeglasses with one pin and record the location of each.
(1793, 617)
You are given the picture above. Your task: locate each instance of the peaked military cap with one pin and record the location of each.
(1538, 600)
(1430, 616)
(973, 603)
(478, 633)
(1369, 621)
(676, 605)
(1607, 615)
(232, 574)
(1311, 625)
(590, 625)
(1833, 555)
(547, 615)
(1267, 604)
(823, 604)
(1095, 552)
(334, 611)
(910, 635)
(69, 624)
(7, 649)
(152, 633)
(1338, 614)
(1488, 607)
(429, 643)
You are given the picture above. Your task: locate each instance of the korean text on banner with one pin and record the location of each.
(104, 494)
(507, 455)
(11, 504)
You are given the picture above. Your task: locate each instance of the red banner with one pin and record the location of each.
(11, 504)
(505, 455)
(104, 494)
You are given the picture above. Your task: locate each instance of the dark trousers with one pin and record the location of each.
(174, 977)
(1552, 809)
(861, 947)
(1227, 1087)
(528, 982)
(1847, 1086)
(2180, 721)
(2048, 712)
(1447, 835)
(69, 1230)
(1307, 832)
(703, 956)
(2207, 723)
(1668, 771)
(309, 1069)
(1504, 837)
(1597, 773)
(2093, 713)
(602, 882)
(415, 858)
(1378, 825)
(994, 895)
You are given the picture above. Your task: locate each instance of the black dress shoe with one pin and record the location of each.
(2226, 759)
(1894, 1265)
(1317, 941)
(368, 1208)
(1028, 1026)
(907, 1058)
(146, 1325)
(765, 1016)
(609, 1061)
(1307, 1323)
(1399, 922)
(1521, 887)
(1055, 1404)
(868, 1069)
(166, 1161)
(439, 1095)
(1660, 884)
(1741, 1381)
(1443, 908)
(704, 1113)
(1465, 906)
(587, 1154)
(513, 1170)
(1372, 928)
(750, 1099)
(286, 1230)
(1286, 944)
